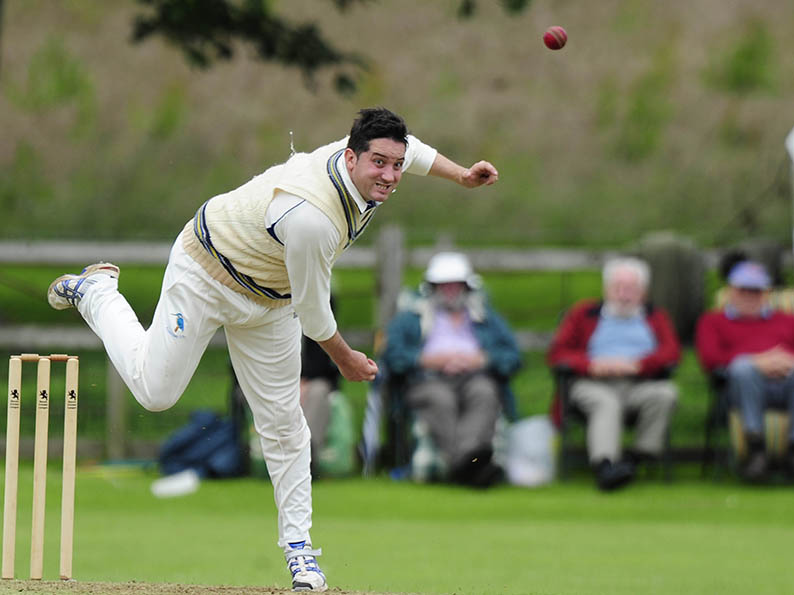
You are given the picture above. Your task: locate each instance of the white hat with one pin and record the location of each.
(450, 267)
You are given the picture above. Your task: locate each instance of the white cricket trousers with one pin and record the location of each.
(264, 346)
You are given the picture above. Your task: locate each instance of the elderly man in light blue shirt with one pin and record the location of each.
(620, 349)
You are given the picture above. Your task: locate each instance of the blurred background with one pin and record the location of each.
(656, 116)
(666, 115)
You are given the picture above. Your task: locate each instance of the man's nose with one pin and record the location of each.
(389, 175)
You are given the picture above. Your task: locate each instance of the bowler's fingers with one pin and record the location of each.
(481, 173)
(373, 370)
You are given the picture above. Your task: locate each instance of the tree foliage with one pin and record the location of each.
(467, 8)
(208, 30)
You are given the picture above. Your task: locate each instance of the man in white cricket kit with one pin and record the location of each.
(257, 261)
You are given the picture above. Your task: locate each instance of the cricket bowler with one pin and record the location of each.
(257, 261)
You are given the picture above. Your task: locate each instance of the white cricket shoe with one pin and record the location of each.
(306, 574)
(67, 290)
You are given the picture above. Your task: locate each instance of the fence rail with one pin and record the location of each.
(388, 258)
(156, 253)
(118, 443)
(39, 338)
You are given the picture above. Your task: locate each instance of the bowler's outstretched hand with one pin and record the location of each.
(481, 173)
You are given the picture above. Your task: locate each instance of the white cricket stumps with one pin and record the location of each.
(40, 462)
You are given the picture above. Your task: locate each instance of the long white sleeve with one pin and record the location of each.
(310, 241)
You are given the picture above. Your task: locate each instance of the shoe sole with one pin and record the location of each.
(305, 588)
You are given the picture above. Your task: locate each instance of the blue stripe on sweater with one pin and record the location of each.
(202, 232)
(349, 206)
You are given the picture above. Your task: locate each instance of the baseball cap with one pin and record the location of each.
(749, 275)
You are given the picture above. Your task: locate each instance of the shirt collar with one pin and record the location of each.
(609, 311)
(363, 205)
(733, 314)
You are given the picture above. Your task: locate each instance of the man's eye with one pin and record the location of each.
(378, 161)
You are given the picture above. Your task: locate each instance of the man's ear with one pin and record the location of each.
(350, 159)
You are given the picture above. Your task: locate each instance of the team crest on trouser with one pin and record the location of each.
(177, 327)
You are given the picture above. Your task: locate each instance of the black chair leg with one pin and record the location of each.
(563, 456)
(667, 460)
(709, 452)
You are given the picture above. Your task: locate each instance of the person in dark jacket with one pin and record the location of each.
(457, 355)
(621, 349)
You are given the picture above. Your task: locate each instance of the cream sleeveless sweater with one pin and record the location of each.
(228, 236)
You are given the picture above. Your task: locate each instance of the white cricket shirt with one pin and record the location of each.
(310, 241)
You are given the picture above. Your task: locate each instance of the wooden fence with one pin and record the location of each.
(389, 258)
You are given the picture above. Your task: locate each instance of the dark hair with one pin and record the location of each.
(729, 260)
(376, 122)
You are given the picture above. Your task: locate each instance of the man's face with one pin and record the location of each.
(377, 171)
(451, 296)
(625, 292)
(748, 302)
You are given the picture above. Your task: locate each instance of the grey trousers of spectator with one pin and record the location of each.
(752, 392)
(316, 405)
(605, 402)
(460, 411)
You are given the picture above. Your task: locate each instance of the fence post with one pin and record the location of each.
(116, 412)
(390, 262)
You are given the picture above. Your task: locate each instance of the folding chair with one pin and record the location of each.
(724, 440)
(569, 413)
(403, 436)
(716, 451)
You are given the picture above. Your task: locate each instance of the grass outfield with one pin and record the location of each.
(379, 536)
(528, 301)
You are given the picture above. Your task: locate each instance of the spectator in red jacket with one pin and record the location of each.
(754, 344)
(622, 350)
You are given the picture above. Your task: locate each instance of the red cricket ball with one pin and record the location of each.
(555, 37)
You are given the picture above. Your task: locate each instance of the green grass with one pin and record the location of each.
(209, 389)
(527, 301)
(686, 537)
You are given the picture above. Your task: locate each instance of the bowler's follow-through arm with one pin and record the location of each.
(479, 174)
(356, 366)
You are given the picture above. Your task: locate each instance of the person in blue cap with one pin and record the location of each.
(754, 343)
